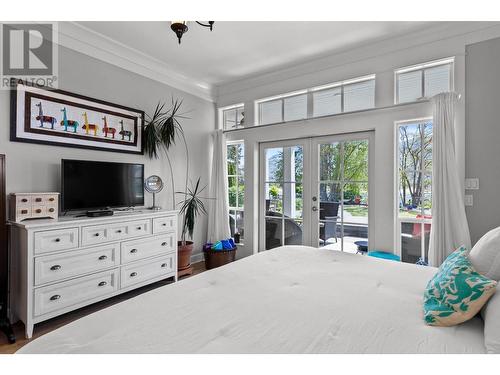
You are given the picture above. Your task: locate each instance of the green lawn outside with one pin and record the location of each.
(356, 210)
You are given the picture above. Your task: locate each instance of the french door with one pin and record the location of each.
(314, 192)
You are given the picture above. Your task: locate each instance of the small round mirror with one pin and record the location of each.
(154, 184)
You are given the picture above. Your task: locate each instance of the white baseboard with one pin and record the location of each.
(195, 258)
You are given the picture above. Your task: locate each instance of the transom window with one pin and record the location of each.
(414, 179)
(236, 186)
(345, 96)
(287, 107)
(233, 117)
(424, 80)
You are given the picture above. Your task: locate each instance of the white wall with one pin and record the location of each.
(382, 59)
(32, 167)
(483, 135)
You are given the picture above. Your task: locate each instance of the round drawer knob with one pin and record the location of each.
(55, 267)
(102, 283)
(51, 199)
(103, 257)
(133, 251)
(38, 199)
(163, 244)
(24, 200)
(139, 228)
(57, 240)
(55, 297)
(119, 231)
(38, 210)
(24, 212)
(96, 234)
(133, 274)
(51, 210)
(164, 265)
(164, 224)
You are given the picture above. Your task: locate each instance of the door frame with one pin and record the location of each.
(345, 137)
(309, 144)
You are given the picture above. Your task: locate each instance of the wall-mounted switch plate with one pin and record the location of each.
(472, 183)
(469, 201)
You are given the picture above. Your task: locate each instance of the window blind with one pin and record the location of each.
(271, 112)
(433, 78)
(437, 80)
(359, 95)
(327, 102)
(295, 107)
(409, 86)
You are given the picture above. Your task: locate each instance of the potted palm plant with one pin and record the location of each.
(191, 207)
(161, 130)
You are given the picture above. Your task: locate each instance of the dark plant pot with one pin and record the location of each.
(217, 258)
(184, 255)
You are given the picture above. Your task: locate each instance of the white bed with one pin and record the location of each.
(287, 300)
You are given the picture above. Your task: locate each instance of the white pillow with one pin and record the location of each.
(491, 316)
(485, 255)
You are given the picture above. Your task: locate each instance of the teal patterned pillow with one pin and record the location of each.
(457, 292)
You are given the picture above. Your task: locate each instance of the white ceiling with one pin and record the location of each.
(236, 50)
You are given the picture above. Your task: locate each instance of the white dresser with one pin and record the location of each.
(62, 265)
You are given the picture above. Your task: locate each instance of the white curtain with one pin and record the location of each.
(449, 228)
(218, 206)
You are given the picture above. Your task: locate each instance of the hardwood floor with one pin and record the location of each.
(52, 324)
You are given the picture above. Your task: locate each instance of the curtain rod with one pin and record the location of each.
(330, 116)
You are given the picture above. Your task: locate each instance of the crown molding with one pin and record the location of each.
(89, 42)
(447, 31)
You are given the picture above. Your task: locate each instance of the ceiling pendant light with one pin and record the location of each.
(180, 27)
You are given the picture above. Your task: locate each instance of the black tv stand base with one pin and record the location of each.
(6, 328)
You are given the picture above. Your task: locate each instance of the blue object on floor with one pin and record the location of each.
(226, 245)
(422, 262)
(362, 246)
(384, 255)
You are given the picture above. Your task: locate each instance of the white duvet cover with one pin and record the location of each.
(287, 300)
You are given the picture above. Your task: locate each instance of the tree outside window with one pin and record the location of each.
(236, 187)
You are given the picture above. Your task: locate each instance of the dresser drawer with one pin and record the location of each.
(43, 211)
(23, 212)
(54, 240)
(145, 248)
(57, 267)
(66, 294)
(23, 200)
(44, 199)
(142, 271)
(115, 231)
(139, 228)
(164, 224)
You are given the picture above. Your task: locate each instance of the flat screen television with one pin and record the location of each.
(90, 185)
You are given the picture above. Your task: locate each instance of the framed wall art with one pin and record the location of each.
(60, 118)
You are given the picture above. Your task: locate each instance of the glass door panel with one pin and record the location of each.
(341, 186)
(283, 191)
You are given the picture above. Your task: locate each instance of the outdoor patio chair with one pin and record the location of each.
(328, 214)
